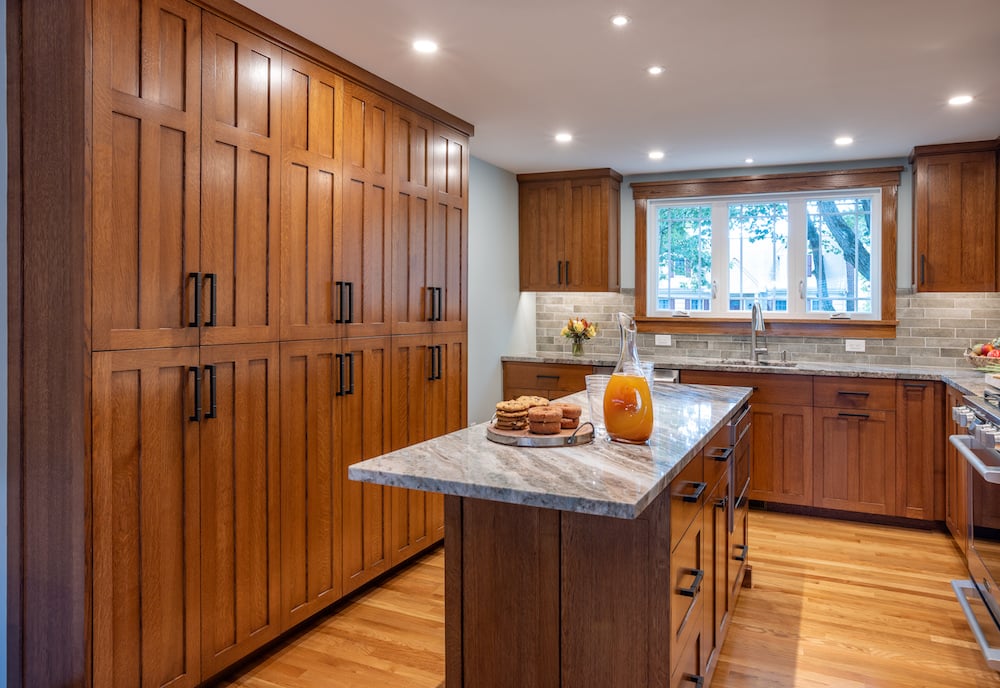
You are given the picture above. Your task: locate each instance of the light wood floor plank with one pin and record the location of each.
(834, 605)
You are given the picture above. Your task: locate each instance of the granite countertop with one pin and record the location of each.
(602, 477)
(966, 380)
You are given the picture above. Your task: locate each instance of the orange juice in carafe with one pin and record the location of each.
(628, 404)
(628, 408)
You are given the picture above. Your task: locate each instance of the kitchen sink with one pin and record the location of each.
(765, 363)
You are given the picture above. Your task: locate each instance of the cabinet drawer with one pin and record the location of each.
(686, 665)
(768, 388)
(687, 494)
(718, 456)
(687, 583)
(556, 377)
(855, 393)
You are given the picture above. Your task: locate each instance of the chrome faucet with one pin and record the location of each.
(756, 325)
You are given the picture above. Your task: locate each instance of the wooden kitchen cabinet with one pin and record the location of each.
(955, 217)
(920, 477)
(549, 380)
(146, 539)
(715, 514)
(569, 230)
(855, 456)
(956, 512)
(240, 519)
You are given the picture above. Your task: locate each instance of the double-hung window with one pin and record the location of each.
(805, 254)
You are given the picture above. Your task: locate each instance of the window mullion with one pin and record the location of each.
(720, 257)
(797, 245)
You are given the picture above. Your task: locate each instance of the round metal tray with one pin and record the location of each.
(522, 438)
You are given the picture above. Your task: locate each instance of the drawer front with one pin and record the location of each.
(687, 583)
(554, 377)
(687, 494)
(686, 665)
(768, 388)
(718, 456)
(855, 393)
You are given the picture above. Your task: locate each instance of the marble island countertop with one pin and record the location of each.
(602, 477)
(966, 380)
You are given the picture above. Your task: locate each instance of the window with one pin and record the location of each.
(809, 248)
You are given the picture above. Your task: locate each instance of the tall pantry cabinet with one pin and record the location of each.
(208, 301)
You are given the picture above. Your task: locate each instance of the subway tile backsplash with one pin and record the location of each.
(934, 330)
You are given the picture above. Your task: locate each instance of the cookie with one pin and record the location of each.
(550, 427)
(544, 414)
(514, 414)
(512, 406)
(511, 425)
(568, 410)
(533, 401)
(569, 423)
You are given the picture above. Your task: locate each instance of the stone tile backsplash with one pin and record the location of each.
(934, 330)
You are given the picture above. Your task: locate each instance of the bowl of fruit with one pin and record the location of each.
(985, 355)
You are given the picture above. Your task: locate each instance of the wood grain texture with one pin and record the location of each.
(854, 459)
(449, 243)
(920, 450)
(834, 603)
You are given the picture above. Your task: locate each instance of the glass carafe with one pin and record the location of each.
(628, 405)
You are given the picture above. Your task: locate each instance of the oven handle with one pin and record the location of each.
(991, 474)
(991, 654)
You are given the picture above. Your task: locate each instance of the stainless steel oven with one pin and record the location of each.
(980, 446)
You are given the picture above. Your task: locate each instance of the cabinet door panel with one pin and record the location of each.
(310, 480)
(782, 465)
(366, 249)
(364, 410)
(239, 490)
(240, 192)
(855, 460)
(450, 234)
(311, 194)
(413, 171)
(146, 129)
(919, 455)
(146, 583)
(542, 212)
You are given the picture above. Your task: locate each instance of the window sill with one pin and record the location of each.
(864, 329)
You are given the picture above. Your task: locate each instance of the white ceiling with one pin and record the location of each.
(775, 80)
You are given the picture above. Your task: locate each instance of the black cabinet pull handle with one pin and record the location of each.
(439, 347)
(560, 272)
(340, 365)
(350, 373)
(546, 377)
(696, 495)
(196, 416)
(923, 265)
(744, 551)
(567, 273)
(210, 369)
(339, 286)
(722, 503)
(844, 414)
(698, 681)
(350, 302)
(196, 320)
(433, 375)
(440, 301)
(719, 453)
(433, 303)
(852, 393)
(695, 584)
(211, 300)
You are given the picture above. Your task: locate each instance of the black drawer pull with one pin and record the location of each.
(744, 551)
(696, 495)
(842, 414)
(350, 302)
(433, 298)
(695, 584)
(547, 377)
(560, 272)
(719, 453)
(914, 385)
(567, 272)
(722, 503)
(851, 393)
(698, 681)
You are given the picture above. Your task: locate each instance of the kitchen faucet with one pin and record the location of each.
(756, 325)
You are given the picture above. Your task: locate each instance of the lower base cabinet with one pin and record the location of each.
(855, 459)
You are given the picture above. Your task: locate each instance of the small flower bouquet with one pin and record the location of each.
(579, 330)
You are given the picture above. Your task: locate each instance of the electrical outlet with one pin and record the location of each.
(664, 340)
(854, 345)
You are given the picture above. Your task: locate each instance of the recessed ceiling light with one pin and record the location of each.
(960, 100)
(655, 70)
(424, 45)
(749, 161)
(656, 155)
(564, 137)
(620, 20)
(843, 140)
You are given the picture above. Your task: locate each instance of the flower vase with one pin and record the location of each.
(578, 347)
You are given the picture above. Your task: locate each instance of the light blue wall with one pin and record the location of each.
(501, 318)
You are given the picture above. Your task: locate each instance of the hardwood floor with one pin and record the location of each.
(834, 604)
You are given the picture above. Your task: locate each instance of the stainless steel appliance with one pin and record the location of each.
(980, 445)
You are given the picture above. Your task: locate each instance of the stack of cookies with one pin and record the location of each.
(512, 415)
(544, 420)
(570, 414)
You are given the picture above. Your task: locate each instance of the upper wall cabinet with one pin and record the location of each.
(569, 230)
(955, 217)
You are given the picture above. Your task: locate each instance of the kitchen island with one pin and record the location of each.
(592, 565)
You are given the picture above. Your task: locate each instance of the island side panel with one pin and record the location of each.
(504, 584)
(614, 596)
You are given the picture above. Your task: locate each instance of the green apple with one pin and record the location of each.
(978, 349)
